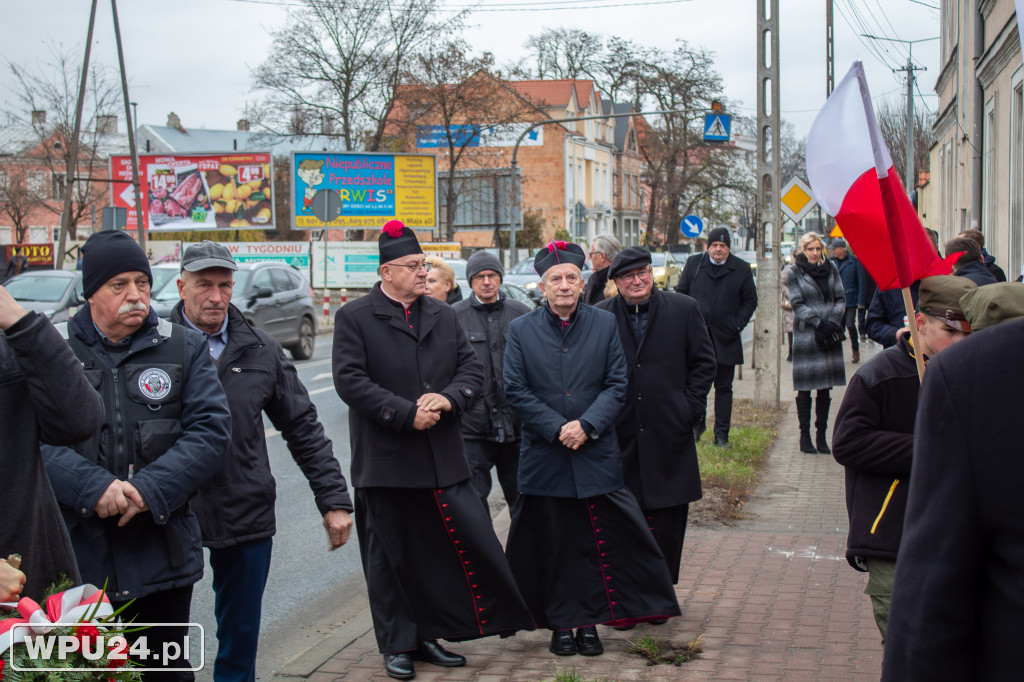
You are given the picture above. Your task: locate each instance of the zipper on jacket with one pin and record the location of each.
(885, 504)
(122, 449)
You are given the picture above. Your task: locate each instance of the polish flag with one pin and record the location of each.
(852, 176)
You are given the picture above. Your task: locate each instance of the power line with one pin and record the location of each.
(870, 47)
(497, 7)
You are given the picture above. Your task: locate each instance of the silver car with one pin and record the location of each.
(54, 293)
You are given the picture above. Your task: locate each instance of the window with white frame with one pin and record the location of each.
(57, 186)
(38, 234)
(1015, 186)
(989, 181)
(6, 234)
(35, 182)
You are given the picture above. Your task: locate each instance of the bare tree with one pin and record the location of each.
(565, 52)
(682, 172)
(342, 60)
(46, 98)
(19, 199)
(458, 97)
(892, 119)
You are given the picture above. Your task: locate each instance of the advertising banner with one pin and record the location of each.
(442, 249)
(350, 265)
(292, 253)
(197, 191)
(469, 135)
(37, 254)
(374, 188)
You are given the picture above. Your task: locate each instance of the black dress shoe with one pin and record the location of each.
(721, 442)
(623, 627)
(588, 643)
(399, 666)
(658, 621)
(562, 643)
(432, 652)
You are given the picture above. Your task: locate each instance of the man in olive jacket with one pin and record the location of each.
(874, 437)
(403, 366)
(723, 286)
(670, 363)
(236, 507)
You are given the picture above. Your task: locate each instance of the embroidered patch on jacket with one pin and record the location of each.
(155, 383)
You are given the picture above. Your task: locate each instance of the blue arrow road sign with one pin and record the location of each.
(691, 226)
(716, 127)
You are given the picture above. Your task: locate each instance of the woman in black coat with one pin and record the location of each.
(819, 302)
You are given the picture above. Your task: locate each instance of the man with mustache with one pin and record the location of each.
(124, 493)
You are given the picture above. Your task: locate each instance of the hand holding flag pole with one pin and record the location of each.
(852, 176)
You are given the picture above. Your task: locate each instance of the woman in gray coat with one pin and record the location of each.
(819, 301)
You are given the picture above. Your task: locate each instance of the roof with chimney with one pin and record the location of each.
(176, 138)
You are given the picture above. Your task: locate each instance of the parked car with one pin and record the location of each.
(514, 291)
(666, 270)
(163, 272)
(54, 293)
(273, 297)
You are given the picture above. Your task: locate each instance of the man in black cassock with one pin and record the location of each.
(671, 364)
(579, 545)
(433, 565)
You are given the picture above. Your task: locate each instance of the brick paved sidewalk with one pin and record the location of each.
(773, 597)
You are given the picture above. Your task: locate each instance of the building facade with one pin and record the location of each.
(977, 162)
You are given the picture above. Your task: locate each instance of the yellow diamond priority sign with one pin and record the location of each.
(797, 200)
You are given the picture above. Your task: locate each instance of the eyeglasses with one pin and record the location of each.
(640, 276)
(414, 267)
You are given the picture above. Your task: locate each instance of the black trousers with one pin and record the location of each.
(485, 454)
(862, 321)
(167, 606)
(850, 322)
(668, 526)
(723, 400)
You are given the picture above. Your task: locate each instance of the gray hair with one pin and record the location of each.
(606, 244)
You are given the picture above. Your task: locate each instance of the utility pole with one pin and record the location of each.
(768, 320)
(830, 52)
(909, 179)
(69, 186)
(140, 226)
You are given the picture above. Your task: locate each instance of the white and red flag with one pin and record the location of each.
(852, 176)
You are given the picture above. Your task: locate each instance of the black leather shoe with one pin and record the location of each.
(562, 643)
(623, 627)
(657, 621)
(721, 442)
(588, 643)
(432, 652)
(399, 666)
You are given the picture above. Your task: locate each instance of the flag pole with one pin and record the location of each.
(915, 336)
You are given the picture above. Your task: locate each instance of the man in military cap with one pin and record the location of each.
(434, 567)
(874, 435)
(579, 546)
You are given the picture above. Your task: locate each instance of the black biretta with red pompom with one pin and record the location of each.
(557, 253)
(396, 241)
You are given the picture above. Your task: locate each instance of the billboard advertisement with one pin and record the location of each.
(38, 255)
(350, 265)
(197, 191)
(292, 253)
(373, 188)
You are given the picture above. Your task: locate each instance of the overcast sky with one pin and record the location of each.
(194, 57)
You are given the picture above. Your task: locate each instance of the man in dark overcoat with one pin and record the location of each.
(579, 545)
(957, 604)
(723, 286)
(433, 565)
(670, 363)
(44, 395)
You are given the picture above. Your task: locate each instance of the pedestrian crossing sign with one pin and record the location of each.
(716, 127)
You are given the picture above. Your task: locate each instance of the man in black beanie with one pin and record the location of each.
(405, 369)
(125, 496)
(490, 426)
(724, 288)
